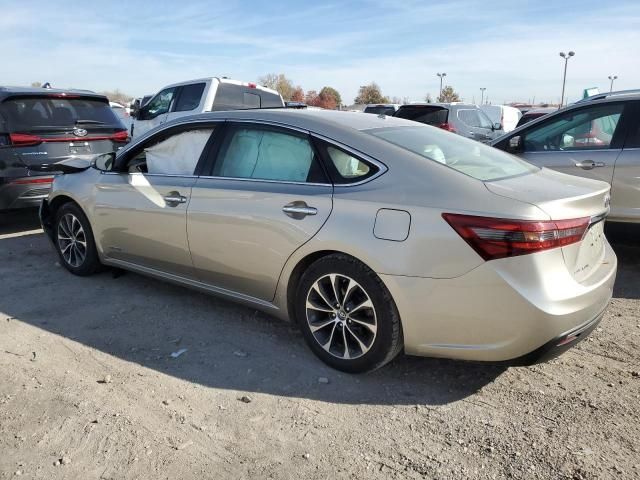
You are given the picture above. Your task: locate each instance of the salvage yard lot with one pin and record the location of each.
(87, 379)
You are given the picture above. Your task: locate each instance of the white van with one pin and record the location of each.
(503, 114)
(198, 96)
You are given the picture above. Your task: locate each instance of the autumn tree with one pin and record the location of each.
(328, 92)
(448, 94)
(370, 94)
(311, 98)
(280, 83)
(298, 94)
(36, 84)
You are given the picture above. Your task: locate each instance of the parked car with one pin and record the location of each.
(598, 139)
(505, 115)
(122, 113)
(534, 113)
(466, 120)
(41, 126)
(297, 213)
(382, 108)
(203, 95)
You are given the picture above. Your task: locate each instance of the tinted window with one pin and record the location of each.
(267, 155)
(466, 156)
(424, 114)
(189, 98)
(380, 110)
(23, 114)
(238, 97)
(587, 128)
(158, 105)
(474, 117)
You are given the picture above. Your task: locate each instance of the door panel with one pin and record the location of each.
(239, 235)
(596, 164)
(141, 218)
(625, 189)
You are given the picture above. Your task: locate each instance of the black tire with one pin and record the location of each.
(90, 262)
(383, 345)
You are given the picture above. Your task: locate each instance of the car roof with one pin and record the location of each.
(440, 104)
(221, 80)
(541, 110)
(38, 91)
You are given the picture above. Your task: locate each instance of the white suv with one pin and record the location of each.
(202, 95)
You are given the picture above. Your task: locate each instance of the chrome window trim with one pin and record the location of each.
(270, 123)
(577, 150)
(284, 182)
(150, 174)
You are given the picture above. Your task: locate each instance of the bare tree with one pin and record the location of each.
(280, 83)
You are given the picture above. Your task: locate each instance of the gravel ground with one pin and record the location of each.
(89, 390)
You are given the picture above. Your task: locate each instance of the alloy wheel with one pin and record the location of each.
(341, 316)
(72, 240)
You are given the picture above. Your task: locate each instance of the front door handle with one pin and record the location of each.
(589, 164)
(173, 199)
(299, 210)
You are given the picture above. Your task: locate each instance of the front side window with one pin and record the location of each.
(462, 154)
(474, 118)
(189, 98)
(177, 154)
(586, 129)
(159, 104)
(267, 154)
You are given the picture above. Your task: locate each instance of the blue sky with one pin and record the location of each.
(509, 47)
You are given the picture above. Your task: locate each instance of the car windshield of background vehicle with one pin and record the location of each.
(26, 114)
(462, 154)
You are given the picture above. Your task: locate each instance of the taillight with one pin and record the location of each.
(252, 85)
(447, 126)
(32, 180)
(494, 238)
(24, 139)
(122, 136)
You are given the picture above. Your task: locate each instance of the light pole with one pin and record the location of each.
(564, 78)
(612, 78)
(482, 89)
(441, 75)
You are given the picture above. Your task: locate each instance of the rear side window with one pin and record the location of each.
(239, 97)
(27, 113)
(266, 154)
(189, 98)
(424, 114)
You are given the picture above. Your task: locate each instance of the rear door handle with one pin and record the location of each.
(173, 199)
(589, 164)
(299, 210)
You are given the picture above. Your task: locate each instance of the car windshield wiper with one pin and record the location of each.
(93, 122)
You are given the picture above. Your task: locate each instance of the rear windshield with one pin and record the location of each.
(462, 154)
(380, 110)
(27, 113)
(424, 114)
(239, 97)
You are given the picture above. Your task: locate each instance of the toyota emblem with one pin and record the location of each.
(79, 132)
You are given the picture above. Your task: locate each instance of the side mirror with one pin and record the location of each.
(496, 126)
(515, 143)
(104, 162)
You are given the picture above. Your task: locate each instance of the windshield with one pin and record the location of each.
(474, 117)
(462, 154)
(27, 113)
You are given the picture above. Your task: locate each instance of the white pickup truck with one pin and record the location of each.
(198, 96)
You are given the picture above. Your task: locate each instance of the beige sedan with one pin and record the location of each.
(376, 235)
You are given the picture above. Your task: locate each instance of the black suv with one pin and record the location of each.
(40, 126)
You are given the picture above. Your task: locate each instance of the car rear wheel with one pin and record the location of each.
(347, 315)
(74, 242)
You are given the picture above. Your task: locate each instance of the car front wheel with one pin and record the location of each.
(347, 315)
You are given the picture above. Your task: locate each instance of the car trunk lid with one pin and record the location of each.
(564, 197)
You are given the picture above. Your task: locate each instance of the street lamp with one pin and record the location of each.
(564, 78)
(441, 75)
(482, 89)
(612, 78)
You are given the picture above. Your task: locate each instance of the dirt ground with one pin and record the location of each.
(89, 390)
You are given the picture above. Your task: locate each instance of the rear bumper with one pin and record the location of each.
(514, 310)
(16, 195)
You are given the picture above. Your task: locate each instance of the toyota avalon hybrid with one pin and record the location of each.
(375, 234)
